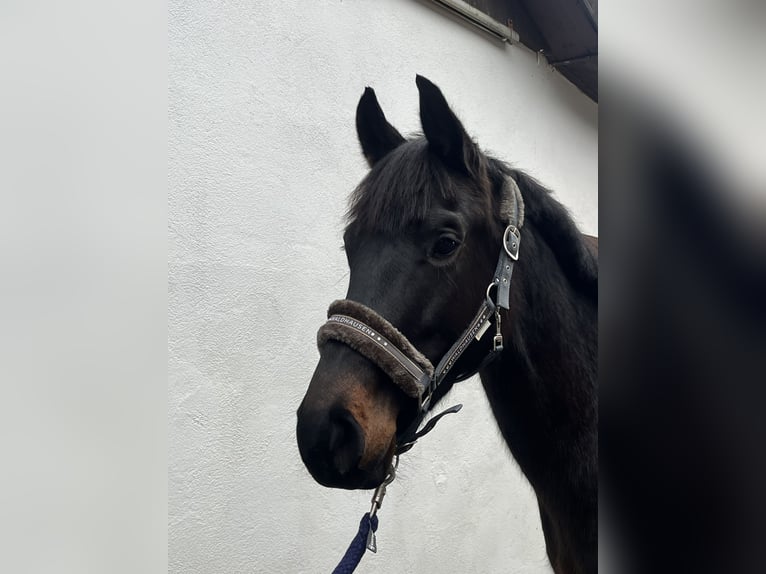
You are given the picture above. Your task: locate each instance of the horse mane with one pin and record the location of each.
(412, 177)
(556, 226)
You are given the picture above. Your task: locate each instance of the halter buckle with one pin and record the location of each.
(511, 240)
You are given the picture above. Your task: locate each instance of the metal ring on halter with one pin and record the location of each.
(391, 471)
(425, 402)
(495, 283)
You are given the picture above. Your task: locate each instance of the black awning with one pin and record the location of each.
(565, 31)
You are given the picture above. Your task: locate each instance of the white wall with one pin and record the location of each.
(263, 153)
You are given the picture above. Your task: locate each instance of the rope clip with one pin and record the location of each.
(377, 501)
(497, 342)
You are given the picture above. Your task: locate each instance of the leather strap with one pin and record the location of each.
(475, 330)
(512, 211)
(504, 270)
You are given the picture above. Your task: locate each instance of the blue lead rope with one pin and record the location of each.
(358, 545)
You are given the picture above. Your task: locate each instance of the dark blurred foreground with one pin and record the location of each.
(683, 308)
(683, 349)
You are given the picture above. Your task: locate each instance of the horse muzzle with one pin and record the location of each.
(346, 428)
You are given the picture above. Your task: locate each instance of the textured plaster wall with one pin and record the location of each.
(262, 156)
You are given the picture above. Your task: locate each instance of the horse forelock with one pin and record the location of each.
(402, 188)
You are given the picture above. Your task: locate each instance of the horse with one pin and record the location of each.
(423, 232)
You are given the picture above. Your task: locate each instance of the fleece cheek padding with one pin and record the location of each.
(410, 383)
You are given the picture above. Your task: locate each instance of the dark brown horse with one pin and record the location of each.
(422, 240)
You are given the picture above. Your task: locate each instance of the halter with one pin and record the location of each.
(375, 338)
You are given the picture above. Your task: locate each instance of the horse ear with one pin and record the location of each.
(376, 135)
(444, 132)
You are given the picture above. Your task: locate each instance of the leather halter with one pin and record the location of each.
(374, 337)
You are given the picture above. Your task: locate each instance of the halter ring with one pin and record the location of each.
(494, 283)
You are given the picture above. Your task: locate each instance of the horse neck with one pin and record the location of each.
(543, 389)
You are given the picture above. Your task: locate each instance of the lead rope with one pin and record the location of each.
(353, 555)
(365, 536)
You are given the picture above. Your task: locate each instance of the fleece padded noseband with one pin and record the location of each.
(373, 337)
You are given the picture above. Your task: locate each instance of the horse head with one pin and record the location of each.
(421, 241)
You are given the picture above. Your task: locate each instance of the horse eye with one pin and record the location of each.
(445, 246)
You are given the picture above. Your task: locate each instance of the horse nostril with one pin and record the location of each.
(331, 443)
(346, 441)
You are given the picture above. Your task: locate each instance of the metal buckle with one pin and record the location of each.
(513, 253)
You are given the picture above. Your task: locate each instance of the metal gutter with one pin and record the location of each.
(480, 20)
